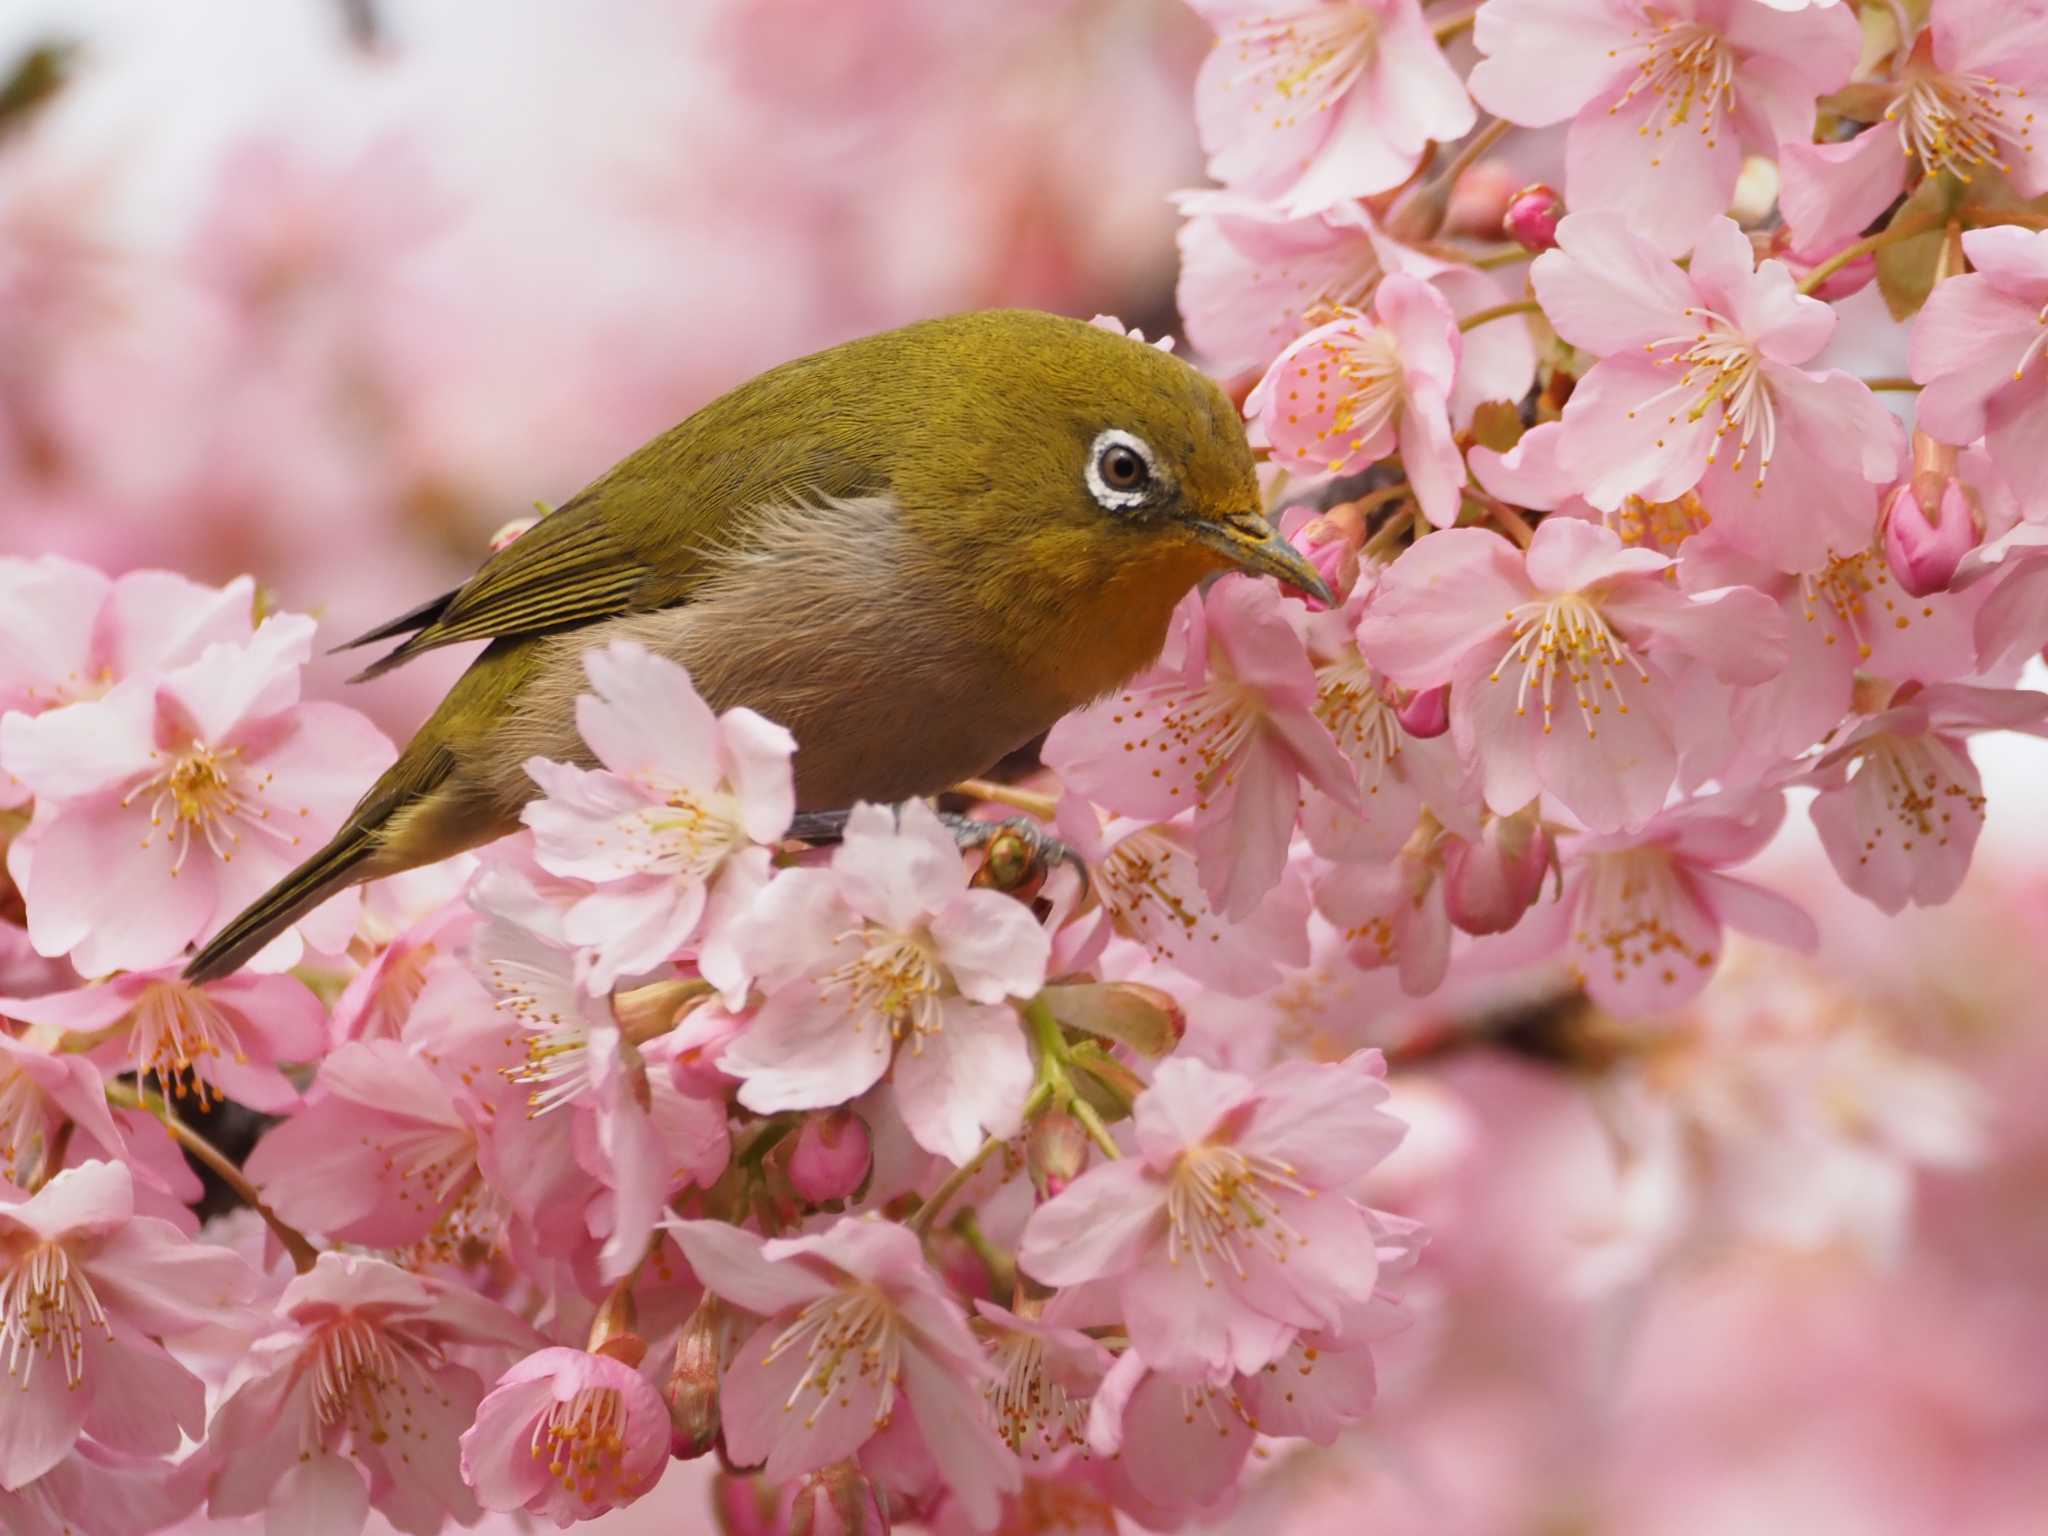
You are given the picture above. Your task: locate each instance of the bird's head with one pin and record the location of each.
(1106, 460)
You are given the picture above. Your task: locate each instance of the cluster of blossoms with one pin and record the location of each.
(961, 1187)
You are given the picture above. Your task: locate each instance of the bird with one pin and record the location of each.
(915, 550)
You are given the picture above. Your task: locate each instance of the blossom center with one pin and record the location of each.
(1349, 702)
(25, 1125)
(894, 980)
(1221, 1204)
(1568, 638)
(1957, 122)
(583, 1439)
(1028, 1405)
(206, 794)
(358, 1368)
(1137, 878)
(1214, 723)
(1720, 367)
(852, 1335)
(178, 1031)
(690, 834)
(1920, 789)
(1307, 58)
(1360, 367)
(1629, 896)
(1691, 70)
(48, 1307)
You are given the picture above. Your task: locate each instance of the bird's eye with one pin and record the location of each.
(1120, 470)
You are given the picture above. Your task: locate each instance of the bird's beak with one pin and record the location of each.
(1252, 544)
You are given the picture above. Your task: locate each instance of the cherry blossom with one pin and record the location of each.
(180, 798)
(355, 1399)
(856, 1328)
(672, 825)
(1228, 730)
(1229, 1228)
(1312, 102)
(1698, 385)
(1960, 102)
(1645, 913)
(1348, 391)
(1559, 660)
(1976, 347)
(1664, 100)
(1901, 804)
(886, 957)
(568, 1435)
(89, 1292)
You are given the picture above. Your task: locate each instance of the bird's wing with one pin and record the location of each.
(636, 540)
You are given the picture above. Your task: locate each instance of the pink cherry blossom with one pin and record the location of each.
(1229, 1228)
(1645, 913)
(1978, 348)
(1312, 102)
(355, 1399)
(1394, 911)
(1492, 880)
(95, 1489)
(886, 957)
(88, 1293)
(566, 1435)
(1961, 100)
(1699, 385)
(1512, 632)
(856, 1329)
(1228, 727)
(1045, 1374)
(1901, 804)
(225, 1039)
(1147, 877)
(1664, 100)
(1349, 391)
(672, 827)
(69, 633)
(45, 1096)
(409, 923)
(174, 801)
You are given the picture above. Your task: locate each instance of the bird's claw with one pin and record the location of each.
(1017, 852)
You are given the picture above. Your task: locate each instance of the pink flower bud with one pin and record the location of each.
(745, 1506)
(1055, 1153)
(1427, 713)
(692, 1387)
(1489, 884)
(510, 531)
(1479, 201)
(831, 1156)
(1926, 549)
(1330, 543)
(1531, 217)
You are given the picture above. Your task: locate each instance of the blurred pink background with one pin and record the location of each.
(279, 297)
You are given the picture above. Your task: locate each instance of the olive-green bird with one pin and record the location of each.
(916, 551)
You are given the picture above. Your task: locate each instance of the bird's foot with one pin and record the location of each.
(1017, 852)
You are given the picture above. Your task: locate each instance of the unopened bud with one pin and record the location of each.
(1930, 522)
(1479, 201)
(830, 1156)
(1055, 1153)
(956, 1262)
(644, 1013)
(511, 531)
(1331, 543)
(1490, 883)
(692, 1387)
(834, 1501)
(1426, 713)
(1532, 217)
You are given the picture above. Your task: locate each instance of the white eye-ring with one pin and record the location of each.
(1121, 470)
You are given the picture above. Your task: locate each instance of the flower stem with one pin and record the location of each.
(1031, 804)
(1890, 381)
(1480, 317)
(1475, 146)
(1857, 248)
(921, 1221)
(1446, 30)
(1052, 1069)
(134, 1096)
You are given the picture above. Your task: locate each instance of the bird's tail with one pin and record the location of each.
(338, 864)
